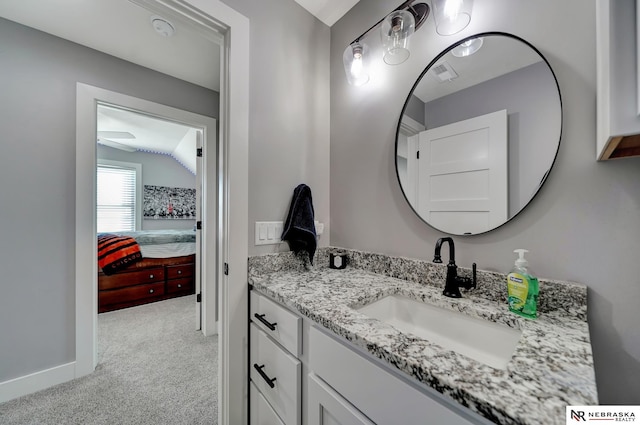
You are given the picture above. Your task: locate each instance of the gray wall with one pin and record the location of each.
(37, 183)
(530, 96)
(289, 112)
(157, 170)
(583, 225)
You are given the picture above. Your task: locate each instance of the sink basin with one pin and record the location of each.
(490, 343)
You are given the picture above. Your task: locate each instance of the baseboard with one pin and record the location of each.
(37, 381)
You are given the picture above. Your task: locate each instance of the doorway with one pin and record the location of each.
(233, 215)
(163, 211)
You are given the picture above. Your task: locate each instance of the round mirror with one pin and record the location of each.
(478, 133)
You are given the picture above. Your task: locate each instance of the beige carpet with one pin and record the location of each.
(153, 368)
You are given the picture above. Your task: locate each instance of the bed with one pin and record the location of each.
(136, 268)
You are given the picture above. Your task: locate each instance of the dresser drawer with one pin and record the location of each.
(180, 270)
(261, 413)
(180, 285)
(133, 293)
(276, 374)
(278, 322)
(119, 280)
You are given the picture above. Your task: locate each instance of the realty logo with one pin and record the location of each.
(602, 413)
(577, 415)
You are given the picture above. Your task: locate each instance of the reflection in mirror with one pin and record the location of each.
(478, 134)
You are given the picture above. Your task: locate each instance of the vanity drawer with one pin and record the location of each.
(276, 374)
(180, 270)
(278, 322)
(133, 293)
(119, 280)
(261, 411)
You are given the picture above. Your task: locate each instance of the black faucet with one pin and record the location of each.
(454, 282)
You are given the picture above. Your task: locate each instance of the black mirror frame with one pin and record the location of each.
(419, 79)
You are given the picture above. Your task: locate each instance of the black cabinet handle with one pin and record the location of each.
(264, 321)
(270, 381)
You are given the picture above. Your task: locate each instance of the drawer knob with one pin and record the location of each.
(150, 276)
(270, 381)
(264, 321)
(179, 271)
(179, 285)
(151, 291)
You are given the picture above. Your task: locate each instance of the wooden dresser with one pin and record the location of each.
(145, 283)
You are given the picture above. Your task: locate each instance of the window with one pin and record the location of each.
(118, 196)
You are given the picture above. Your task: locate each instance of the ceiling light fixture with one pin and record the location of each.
(451, 16)
(162, 26)
(395, 31)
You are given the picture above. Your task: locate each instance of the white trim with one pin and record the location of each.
(233, 160)
(37, 381)
(88, 97)
(138, 168)
(234, 144)
(410, 127)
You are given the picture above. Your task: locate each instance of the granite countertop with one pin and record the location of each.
(552, 366)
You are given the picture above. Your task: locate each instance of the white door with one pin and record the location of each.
(199, 181)
(463, 174)
(208, 266)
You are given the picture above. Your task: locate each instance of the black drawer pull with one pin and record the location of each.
(264, 321)
(270, 381)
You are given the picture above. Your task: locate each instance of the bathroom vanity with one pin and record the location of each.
(325, 349)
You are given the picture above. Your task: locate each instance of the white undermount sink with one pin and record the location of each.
(490, 343)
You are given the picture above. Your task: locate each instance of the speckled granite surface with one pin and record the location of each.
(552, 366)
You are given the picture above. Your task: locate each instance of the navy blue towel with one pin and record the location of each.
(299, 228)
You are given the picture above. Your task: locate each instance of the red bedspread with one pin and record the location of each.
(116, 252)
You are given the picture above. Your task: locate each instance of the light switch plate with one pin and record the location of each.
(268, 232)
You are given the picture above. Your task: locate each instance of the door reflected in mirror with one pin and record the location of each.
(479, 133)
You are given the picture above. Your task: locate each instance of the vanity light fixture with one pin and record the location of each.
(396, 28)
(467, 48)
(451, 16)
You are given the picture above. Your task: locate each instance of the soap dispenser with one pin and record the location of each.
(522, 288)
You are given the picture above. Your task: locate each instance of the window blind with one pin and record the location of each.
(116, 199)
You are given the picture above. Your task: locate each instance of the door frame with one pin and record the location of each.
(233, 137)
(206, 181)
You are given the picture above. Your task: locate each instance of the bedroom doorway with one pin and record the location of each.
(217, 18)
(150, 188)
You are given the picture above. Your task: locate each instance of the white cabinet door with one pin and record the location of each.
(462, 174)
(261, 412)
(327, 407)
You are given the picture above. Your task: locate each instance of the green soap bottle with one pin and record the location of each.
(523, 288)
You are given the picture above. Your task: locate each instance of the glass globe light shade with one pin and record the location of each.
(451, 16)
(395, 31)
(356, 63)
(467, 48)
